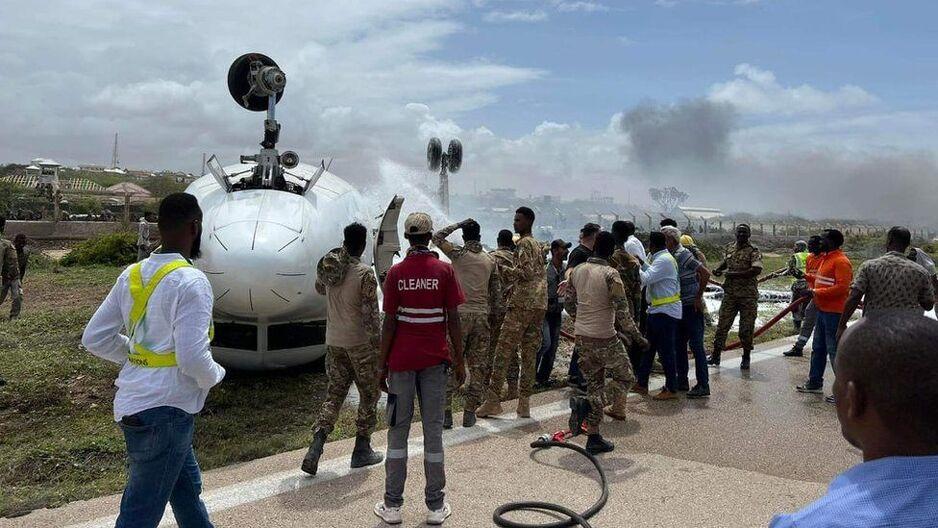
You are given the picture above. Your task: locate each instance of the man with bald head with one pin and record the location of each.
(886, 392)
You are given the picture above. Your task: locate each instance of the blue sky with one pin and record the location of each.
(600, 62)
(784, 103)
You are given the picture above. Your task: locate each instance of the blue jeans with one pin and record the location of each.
(548, 352)
(162, 468)
(824, 345)
(662, 335)
(690, 330)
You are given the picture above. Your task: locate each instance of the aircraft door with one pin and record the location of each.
(387, 240)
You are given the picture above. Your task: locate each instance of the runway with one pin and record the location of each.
(755, 448)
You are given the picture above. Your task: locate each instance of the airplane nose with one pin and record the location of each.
(258, 269)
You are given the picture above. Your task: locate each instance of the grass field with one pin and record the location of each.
(58, 441)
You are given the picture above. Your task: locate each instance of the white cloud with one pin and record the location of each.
(625, 41)
(757, 91)
(499, 17)
(587, 7)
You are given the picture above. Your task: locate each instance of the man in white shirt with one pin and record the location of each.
(164, 306)
(633, 245)
(663, 293)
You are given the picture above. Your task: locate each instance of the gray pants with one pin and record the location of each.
(16, 296)
(807, 325)
(429, 387)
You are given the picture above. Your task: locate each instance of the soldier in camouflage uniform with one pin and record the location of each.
(628, 267)
(352, 340)
(504, 259)
(478, 276)
(523, 320)
(597, 300)
(742, 266)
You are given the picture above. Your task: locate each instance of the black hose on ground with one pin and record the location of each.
(572, 518)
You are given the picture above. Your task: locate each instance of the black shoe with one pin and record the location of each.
(794, 352)
(683, 386)
(810, 389)
(447, 419)
(468, 418)
(744, 364)
(597, 444)
(714, 359)
(311, 460)
(699, 391)
(364, 455)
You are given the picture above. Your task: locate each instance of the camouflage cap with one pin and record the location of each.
(418, 224)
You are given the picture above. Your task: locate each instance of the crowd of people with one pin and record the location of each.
(492, 321)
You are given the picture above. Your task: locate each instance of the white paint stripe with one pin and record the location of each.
(246, 492)
(418, 320)
(420, 310)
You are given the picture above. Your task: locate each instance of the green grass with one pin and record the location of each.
(59, 440)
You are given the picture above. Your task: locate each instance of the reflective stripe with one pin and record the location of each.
(418, 320)
(433, 458)
(140, 294)
(824, 281)
(660, 301)
(666, 300)
(423, 311)
(801, 259)
(394, 454)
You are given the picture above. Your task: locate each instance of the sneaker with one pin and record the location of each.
(810, 389)
(830, 399)
(665, 394)
(388, 514)
(436, 517)
(794, 352)
(699, 391)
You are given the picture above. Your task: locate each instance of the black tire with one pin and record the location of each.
(434, 154)
(454, 156)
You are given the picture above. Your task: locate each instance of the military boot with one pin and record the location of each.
(489, 408)
(363, 455)
(714, 358)
(468, 418)
(311, 460)
(597, 444)
(744, 364)
(524, 407)
(617, 410)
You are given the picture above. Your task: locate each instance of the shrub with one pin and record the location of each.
(115, 249)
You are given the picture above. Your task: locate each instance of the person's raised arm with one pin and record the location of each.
(102, 336)
(191, 324)
(370, 320)
(439, 238)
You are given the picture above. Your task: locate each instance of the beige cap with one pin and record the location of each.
(418, 224)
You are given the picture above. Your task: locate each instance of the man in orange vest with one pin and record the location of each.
(831, 288)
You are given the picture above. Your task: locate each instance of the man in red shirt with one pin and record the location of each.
(421, 295)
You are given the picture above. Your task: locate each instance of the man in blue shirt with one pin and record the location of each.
(885, 391)
(663, 293)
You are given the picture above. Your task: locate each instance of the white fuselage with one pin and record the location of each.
(260, 248)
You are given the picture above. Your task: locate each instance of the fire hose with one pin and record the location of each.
(578, 409)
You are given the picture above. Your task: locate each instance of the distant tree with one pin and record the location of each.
(668, 198)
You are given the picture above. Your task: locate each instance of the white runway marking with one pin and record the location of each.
(261, 488)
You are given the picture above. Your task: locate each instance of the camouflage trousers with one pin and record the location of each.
(476, 351)
(495, 323)
(344, 366)
(597, 358)
(747, 309)
(520, 333)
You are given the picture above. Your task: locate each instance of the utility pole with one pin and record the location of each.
(114, 159)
